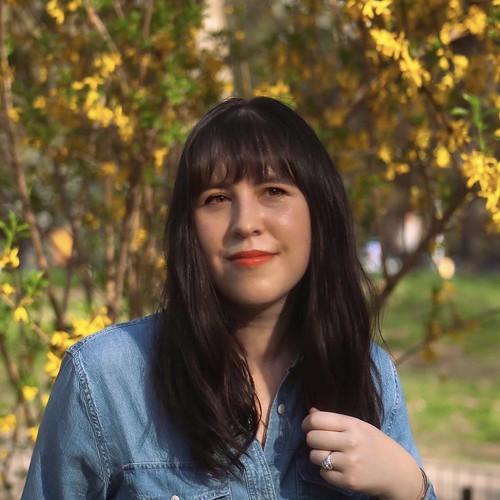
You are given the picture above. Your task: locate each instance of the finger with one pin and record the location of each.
(333, 477)
(327, 421)
(327, 440)
(317, 457)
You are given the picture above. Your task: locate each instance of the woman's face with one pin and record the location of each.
(256, 239)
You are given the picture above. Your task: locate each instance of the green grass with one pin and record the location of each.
(454, 401)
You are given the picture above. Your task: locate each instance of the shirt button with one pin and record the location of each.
(281, 409)
(174, 497)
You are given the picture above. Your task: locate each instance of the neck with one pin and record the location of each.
(265, 336)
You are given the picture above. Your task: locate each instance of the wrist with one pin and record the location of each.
(413, 487)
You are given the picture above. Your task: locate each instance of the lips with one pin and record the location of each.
(251, 258)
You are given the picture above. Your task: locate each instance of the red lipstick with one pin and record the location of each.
(251, 258)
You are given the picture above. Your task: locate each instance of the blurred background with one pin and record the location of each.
(96, 99)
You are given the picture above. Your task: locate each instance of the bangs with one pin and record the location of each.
(238, 145)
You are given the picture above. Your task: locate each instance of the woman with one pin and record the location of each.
(258, 378)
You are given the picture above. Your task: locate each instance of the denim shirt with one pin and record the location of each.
(102, 434)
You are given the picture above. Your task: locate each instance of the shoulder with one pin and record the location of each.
(383, 362)
(122, 347)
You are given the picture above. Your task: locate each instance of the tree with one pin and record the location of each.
(96, 99)
(404, 96)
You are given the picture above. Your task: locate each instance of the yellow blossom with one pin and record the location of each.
(387, 43)
(484, 171)
(476, 20)
(52, 365)
(444, 64)
(13, 114)
(8, 423)
(107, 63)
(460, 64)
(139, 238)
(61, 340)
(442, 156)
(29, 392)
(335, 117)
(395, 169)
(371, 8)
(20, 315)
(159, 158)
(33, 433)
(74, 4)
(84, 327)
(54, 11)
(9, 257)
(44, 399)
(280, 89)
(385, 153)
(450, 31)
(108, 169)
(40, 102)
(7, 289)
(422, 137)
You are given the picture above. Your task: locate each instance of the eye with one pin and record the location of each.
(274, 191)
(215, 199)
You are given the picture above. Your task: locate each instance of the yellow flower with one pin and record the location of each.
(108, 169)
(442, 156)
(387, 43)
(52, 365)
(61, 340)
(460, 63)
(485, 172)
(33, 433)
(280, 89)
(139, 238)
(371, 8)
(7, 289)
(13, 114)
(8, 423)
(385, 153)
(74, 4)
(44, 398)
(54, 11)
(159, 158)
(108, 63)
(20, 315)
(40, 102)
(29, 392)
(335, 117)
(476, 21)
(85, 327)
(14, 258)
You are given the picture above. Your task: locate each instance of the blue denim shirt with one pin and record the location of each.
(102, 434)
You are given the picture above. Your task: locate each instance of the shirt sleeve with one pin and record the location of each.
(69, 458)
(395, 422)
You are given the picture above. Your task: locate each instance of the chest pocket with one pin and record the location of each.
(173, 481)
(311, 485)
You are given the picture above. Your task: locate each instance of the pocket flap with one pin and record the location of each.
(163, 480)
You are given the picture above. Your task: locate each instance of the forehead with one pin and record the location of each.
(236, 147)
(225, 176)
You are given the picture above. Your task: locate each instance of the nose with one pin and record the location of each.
(246, 218)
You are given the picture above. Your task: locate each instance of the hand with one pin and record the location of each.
(364, 459)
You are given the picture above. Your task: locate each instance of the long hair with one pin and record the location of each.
(200, 373)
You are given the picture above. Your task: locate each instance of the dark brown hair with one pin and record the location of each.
(200, 373)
